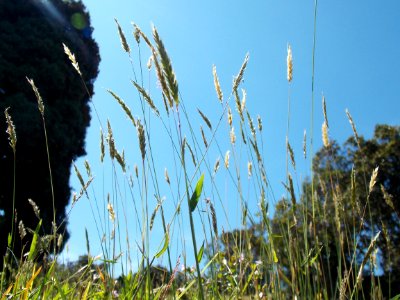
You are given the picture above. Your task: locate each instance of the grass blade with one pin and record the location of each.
(196, 194)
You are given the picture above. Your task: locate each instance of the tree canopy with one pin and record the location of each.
(31, 34)
(356, 196)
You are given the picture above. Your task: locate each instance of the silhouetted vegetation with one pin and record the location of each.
(31, 34)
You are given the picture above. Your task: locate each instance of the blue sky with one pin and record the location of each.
(356, 67)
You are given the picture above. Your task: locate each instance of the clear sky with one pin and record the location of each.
(356, 67)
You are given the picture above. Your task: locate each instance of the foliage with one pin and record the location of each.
(32, 33)
(325, 245)
(347, 213)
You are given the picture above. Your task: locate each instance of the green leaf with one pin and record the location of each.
(310, 260)
(9, 240)
(276, 236)
(200, 254)
(316, 256)
(275, 256)
(165, 246)
(33, 250)
(196, 194)
(86, 292)
(109, 261)
(159, 293)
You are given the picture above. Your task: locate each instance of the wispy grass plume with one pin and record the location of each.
(238, 79)
(122, 37)
(72, 59)
(217, 85)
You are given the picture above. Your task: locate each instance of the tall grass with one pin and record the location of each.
(261, 259)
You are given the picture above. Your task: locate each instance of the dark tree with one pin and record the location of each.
(31, 35)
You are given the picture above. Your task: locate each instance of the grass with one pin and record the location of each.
(233, 271)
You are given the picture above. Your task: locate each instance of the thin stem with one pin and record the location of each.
(312, 106)
(51, 184)
(201, 293)
(11, 243)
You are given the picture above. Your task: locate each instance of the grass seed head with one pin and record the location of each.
(289, 62)
(343, 287)
(251, 125)
(232, 136)
(166, 176)
(259, 123)
(79, 175)
(353, 126)
(243, 103)
(54, 228)
(324, 111)
(122, 37)
(167, 69)
(388, 198)
(204, 137)
(242, 133)
(12, 136)
(72, 59)
(146, 97)
(60, 240)
(205, 119)
(230, 117)
(37, 94)
(110, 140)
(136, 171)
(325, 137)
(213, 217)
(291, 153)
(21, 229)
(238, 105)
(142, 139)
(191, 154)
(216, 165)
(291, 190)
(183, 146)
(227, 155)
(123, 106)
(36, 209)
(154, 214)
(121, 160)
(217, 85)
(111, 211)
(373, 179)
(102, 147)
(239, 77)
(249, 168)
(88, 169)
(366, 257)
(136, 34)
(150, 62)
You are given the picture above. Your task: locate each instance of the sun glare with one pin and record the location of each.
(77, 20)
(49, 10)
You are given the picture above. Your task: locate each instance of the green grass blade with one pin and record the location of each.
(33, 248)
(196, 194)
(165, 246)
(200, 254)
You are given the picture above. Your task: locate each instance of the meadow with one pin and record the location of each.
(314, 247)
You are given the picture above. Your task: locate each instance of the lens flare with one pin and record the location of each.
(78, 20)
